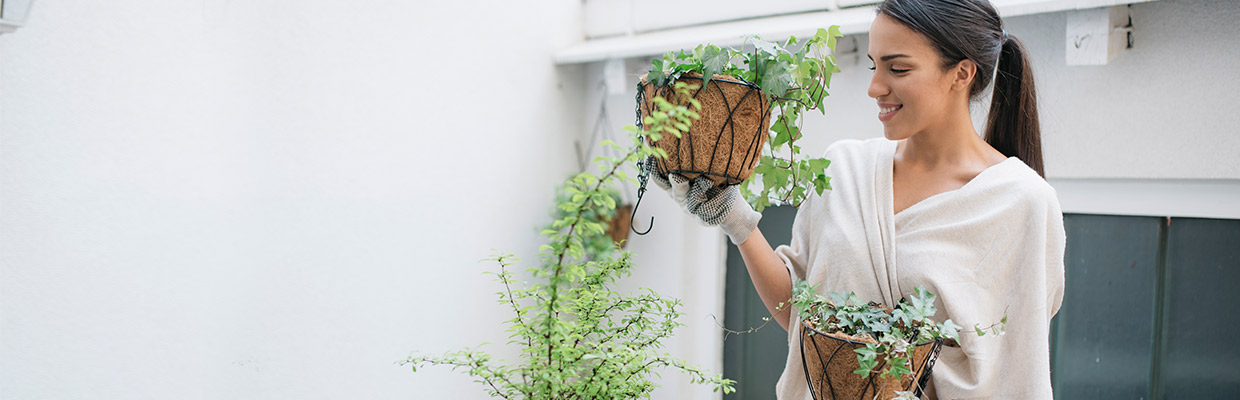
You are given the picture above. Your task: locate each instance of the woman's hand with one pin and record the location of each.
(713, 205)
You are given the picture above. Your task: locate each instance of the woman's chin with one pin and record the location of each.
(894, 133)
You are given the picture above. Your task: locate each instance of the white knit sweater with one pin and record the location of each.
(994, 245)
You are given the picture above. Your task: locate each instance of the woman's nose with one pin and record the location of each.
(877, 88)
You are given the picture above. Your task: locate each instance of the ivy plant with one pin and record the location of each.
(890, 333)
(794, 80)
(578, 337)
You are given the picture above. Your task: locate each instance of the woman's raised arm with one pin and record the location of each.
(769, 275)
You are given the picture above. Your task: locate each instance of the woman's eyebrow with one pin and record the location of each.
(888, 57)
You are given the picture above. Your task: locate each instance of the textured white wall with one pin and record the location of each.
(269, 200)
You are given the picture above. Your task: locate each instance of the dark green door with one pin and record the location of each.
(755, 360)
(1151, 311)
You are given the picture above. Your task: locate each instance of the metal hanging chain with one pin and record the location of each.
(643, 175)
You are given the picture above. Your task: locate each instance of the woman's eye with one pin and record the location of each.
(872, 68)
(897, 70)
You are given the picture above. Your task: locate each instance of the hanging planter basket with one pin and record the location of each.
(726, 142)
(619, 226)
(829, 362)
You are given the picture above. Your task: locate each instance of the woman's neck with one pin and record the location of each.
(950, 145)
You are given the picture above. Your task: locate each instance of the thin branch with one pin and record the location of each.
(474, 364)
(515, 309)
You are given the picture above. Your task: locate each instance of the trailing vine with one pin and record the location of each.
(579, 338)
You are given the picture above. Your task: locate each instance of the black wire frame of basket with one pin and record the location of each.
(753, 151)
(807, 331)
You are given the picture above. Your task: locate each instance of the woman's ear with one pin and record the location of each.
(965, 71)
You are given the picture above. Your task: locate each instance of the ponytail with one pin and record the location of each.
(1012, 127)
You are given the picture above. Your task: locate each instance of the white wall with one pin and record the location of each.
(269, 200)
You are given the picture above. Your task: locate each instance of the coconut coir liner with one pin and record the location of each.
(830, 362)
(726, 142)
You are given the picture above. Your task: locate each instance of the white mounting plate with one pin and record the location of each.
(1095, 36)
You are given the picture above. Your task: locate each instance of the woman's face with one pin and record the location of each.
(913, 90)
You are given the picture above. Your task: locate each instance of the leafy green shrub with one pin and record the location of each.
(579, 338)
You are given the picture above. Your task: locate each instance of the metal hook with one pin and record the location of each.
(640, 191)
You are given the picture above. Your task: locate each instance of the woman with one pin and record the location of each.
(932, 204)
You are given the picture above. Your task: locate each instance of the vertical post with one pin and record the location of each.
(1160, 306)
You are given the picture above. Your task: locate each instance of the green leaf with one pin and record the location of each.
(775, 80)
(922, 303)
(714, 60)
(770, 48)
(950, 329)
(899, 367)
(782, 133)
(822, 36)
(833, 33)
(656, 75)
(818, 165)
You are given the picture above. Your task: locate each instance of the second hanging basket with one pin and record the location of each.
(829, 362)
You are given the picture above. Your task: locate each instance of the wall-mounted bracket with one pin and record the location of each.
(1095, 36)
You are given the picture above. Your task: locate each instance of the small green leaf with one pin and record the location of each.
(775, 80)
(950, 329)
(656, 75)
(818, 165)
(714, 60)
(833, 32)
(782, 133)
(770, 48)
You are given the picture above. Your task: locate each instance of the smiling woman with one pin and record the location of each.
(934, 205)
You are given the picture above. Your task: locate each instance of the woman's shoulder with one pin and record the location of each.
(1019, 178)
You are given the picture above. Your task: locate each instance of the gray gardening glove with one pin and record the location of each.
(713, 205)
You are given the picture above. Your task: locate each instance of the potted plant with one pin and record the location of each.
(851, 350)
(740, 94)
(578, 337)
(615, 219)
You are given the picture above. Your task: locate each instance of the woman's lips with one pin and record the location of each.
(886, 111)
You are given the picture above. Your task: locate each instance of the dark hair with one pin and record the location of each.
(972, 29)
